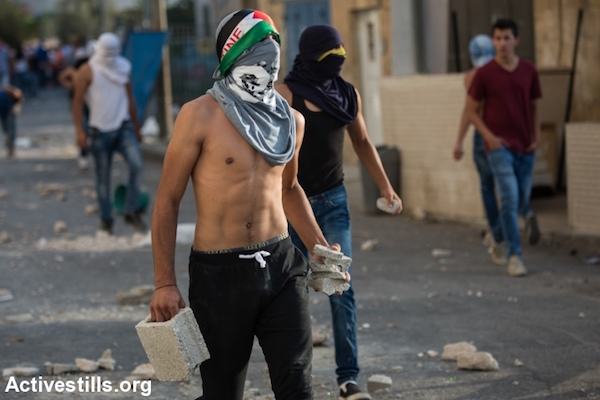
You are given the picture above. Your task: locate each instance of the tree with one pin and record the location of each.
(16, 23)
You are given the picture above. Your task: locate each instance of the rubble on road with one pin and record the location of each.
(100, 242)
(5, 295)
(480, 361)
(46, 189)
(143, 371)
(59, 369)
(91, 209)
(5, 237)
(4, 194)
(86, 365)
(378, 382)
(441, 253)
(453, 351)
(18, 318)
(60, 227)
(369, 245)
(20, 372)
(106, 361)
(319, 337)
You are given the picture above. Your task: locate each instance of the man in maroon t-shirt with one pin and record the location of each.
(509, 87)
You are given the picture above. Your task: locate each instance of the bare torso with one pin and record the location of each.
(238, 194)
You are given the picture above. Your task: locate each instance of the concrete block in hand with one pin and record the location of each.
(174, 347)
(328, 286)
(326, 252)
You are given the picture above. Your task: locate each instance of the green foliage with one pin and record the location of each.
(16, 24)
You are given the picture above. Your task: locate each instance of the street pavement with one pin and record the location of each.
(408, 301)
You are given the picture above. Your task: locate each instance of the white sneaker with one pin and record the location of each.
(487, 239)
(496, 252)
(516, 267)
(83, 163)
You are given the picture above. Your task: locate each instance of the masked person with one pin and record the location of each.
(239, 145)
(103, 85)
(330, 106)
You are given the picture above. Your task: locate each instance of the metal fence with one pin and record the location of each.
(192, 63)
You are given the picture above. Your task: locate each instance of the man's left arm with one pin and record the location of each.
(368, 156)
(133, 112)
(537, 126)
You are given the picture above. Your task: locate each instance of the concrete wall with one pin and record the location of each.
(583, 176)
(555, 27)
(421, 115)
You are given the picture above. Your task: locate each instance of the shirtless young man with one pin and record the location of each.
(239, 144)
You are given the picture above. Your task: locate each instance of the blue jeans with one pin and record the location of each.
(333, 216)
(512, 172)
(9, 126)
(486, 181)
(103, 145)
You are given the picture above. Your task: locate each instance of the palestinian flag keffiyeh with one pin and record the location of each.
(244, 86)
(238, 32)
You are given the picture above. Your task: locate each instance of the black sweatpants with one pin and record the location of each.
(235, 299)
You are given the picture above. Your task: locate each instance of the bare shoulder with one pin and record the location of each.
(285, 92)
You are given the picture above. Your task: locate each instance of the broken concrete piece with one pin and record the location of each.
(59, 369)
(20, 371)
(135, 296)
(60, 227)
(369, 245)
(440, 253)
(480, 361)
(61, 196)
(5, 295)
(86, 365)
(144, 371)
(4, 194)
(328, 274)
(174, 347)
(454, 350)
(18, 318)
(106, 361)
(397, 369)
(319, 338)
(432, 353)
(383, 205)
(328, 286)
(45, 189)
(91, 209)
(327, 253)
(378, 382)
(5, 237)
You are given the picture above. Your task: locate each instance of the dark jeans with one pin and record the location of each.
(234, 300)
(103, 145)
(332, 215)
(9, 126)
(512, 172)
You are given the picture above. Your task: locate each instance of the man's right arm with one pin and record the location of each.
(82, 81)
(181, 157)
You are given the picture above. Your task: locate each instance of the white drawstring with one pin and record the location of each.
(258, 256)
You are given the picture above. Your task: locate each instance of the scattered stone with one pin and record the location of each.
(5, 237)
(420, 355)
(144, 371)
(16, 339)
(581, 315)
(319, 337)
(106, 361)
(369, 245)
(4, 194)
(60, 227)
(518, 363)
(46, 189)
(516, 383)
(479, 293)
(59, 369)
(91, 209)
(397, 369)
(174, 347)
(86, 365)
(137, 295)
(432, 353)
(20, 372)
(378, 382)
(480, 361)
(61, 196)
(453, 351)
(366, 325)
(18, 318)
(5, 295)
(419, 214)
(440, 253)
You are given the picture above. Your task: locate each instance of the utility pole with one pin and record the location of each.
(163, 90)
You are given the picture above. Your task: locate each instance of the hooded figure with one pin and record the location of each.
(107, 61)
(249, 64)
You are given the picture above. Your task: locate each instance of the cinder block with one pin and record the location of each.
(326, 252)
(174, 347)
(328, 286)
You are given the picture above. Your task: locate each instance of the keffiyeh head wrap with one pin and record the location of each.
(107, 60)
(244, 87)
(315, 75)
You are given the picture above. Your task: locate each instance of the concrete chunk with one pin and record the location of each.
(455, 350)
(328, 286)
(326, 252)
(144, 371)
(328, 274)
(174, 347)
(480, 361)
(59, 369)
(106, 361)
(86, 365)
(20, 371)
(18, 318)
(5, 295)
(378, 382)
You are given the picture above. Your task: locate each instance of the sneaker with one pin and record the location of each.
(350, 391)
(532, 229)
(496, 252)
(136, 222)
(106, 226)
(516, 267)
(486, 238)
